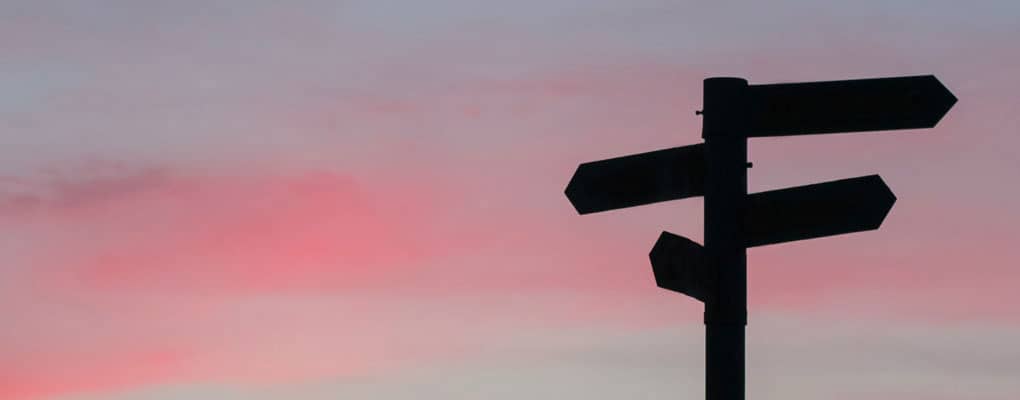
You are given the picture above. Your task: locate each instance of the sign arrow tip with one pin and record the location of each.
(942, 100)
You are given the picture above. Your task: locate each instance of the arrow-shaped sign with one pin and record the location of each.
(908, 102)
(822, 209)
(679, 265)
(638, 179)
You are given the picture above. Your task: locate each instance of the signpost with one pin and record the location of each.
(909, 102)
(812, 211)
(679, 265)
(638, 179)
(734, 111)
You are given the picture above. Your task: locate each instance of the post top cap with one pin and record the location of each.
(721, 79)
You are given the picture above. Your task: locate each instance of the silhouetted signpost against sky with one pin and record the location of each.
(734, 111)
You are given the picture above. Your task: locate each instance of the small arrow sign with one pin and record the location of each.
(638, 179)
(679, 265)
(812, 211)
(908, 102)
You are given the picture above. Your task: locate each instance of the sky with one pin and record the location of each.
(364, 200)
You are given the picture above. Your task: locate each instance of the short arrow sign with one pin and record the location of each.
(823, 209)
(908, 102)
(679, 265)
(638, 179)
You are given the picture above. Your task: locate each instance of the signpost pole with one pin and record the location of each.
(724, 125)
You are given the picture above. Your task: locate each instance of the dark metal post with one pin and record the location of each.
(724, 131)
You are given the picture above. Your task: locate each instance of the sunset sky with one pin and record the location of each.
(262, 200)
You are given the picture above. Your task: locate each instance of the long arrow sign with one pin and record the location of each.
(822, 209)
(908, 102)
(638, 179)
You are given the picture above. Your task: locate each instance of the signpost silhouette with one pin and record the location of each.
(734, 111)
(639, 179)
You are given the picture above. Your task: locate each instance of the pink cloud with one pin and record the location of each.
(116, 263)
(41, 376)
(157, 228)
